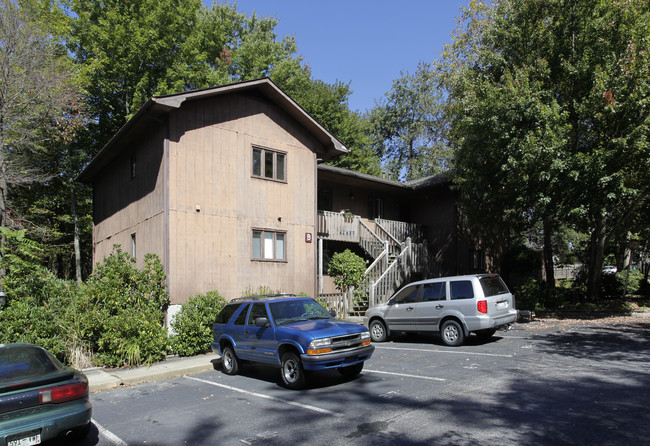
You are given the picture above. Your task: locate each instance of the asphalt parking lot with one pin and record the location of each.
(557, 382)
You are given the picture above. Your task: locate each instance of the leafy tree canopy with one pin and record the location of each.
(37, 94)
(134, 50)
(408, 128)
(549, 104)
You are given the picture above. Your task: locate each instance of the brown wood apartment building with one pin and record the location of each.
(226, 185)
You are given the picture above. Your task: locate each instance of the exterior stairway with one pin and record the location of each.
(398, 250)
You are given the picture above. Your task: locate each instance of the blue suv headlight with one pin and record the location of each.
(319, 346)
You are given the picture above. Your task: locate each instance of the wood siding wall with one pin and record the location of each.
(124, 206)
(357, 200)
(215, 202)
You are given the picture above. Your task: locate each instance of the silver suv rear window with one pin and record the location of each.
(493, 286)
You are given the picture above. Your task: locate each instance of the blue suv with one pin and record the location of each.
(295, 333)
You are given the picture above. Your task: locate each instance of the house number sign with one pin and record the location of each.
(307, 237)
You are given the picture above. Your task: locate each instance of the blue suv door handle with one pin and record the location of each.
(409, 308)
(439, 306)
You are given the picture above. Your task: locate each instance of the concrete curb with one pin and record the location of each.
(103, 379)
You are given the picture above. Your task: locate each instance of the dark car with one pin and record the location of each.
(294, 333)
(40, 398)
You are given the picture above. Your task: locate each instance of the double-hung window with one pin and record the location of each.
(269, 245)
(269, 164)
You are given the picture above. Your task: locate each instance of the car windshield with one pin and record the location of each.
(493, 286)
(297, 310)
(22, 362)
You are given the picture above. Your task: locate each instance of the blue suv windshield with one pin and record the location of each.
(297, 310)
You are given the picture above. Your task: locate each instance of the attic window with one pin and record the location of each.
(269, 164)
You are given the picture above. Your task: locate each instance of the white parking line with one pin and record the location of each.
(405, 375)
(268, 397)
(110, 436)
(457, 352)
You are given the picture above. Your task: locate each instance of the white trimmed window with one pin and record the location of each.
(269, 245)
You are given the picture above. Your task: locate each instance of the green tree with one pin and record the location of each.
(225, 46)
(328, 104)
(37, 94)
(409, 129)
(124, 49)
(347, 269)
(132, 51)
(21, 260)
(549, 112)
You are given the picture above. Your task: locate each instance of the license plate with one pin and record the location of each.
(501, 305)
(25, 439)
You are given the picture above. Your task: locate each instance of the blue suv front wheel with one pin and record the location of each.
(293, 375)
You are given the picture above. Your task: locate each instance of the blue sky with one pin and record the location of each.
(366, 43)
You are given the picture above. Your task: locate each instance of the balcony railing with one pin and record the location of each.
(346, 228)
(398, 272)
(388, 242)
(338, 226)
(402, 230)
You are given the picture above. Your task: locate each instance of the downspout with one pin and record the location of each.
(320, 265)
(166, 247)
(319, 244)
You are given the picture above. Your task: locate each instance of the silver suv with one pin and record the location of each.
(454, 306)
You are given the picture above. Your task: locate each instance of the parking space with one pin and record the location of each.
(584, 385)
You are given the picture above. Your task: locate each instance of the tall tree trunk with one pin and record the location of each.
(3, 193)
(548, 253)
(598, 239)
(77, 249)
(3, 178)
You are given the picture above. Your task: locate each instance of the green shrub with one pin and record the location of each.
(117, 314)
(22, 321)
(132, 338)
(125, 309)
(613, 285)
(538, 296)
(347, 269)
(37, 301)
(193, 323)
(25, 277)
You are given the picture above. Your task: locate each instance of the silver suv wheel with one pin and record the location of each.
(452, 333)
(377, 331)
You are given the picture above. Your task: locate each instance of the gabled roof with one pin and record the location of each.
(158, 106)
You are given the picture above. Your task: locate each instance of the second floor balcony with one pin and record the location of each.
(346, 227)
